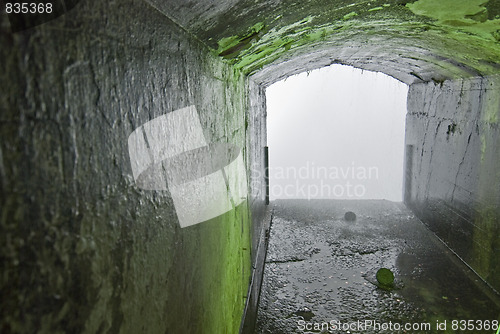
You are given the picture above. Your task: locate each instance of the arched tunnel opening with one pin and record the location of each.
(326, 256)
(338, 133)
(133, 169)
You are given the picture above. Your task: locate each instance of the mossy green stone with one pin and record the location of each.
(385, 277)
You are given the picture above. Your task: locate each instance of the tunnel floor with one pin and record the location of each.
(320, 274)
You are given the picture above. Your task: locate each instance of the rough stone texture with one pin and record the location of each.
(453, 155)
(82, 248)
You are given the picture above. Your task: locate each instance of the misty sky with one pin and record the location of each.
(337, 132)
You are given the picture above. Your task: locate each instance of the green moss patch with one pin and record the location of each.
(467, 15)
(458, 38)
(385, 277)
(230, 47)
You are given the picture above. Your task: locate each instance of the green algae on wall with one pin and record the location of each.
(248, 53)
(469, 16)
(230, 46)
(226, 268)
(486, 242)
(458, 38)
(350, 15)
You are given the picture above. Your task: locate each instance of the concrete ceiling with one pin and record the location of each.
(412, 41)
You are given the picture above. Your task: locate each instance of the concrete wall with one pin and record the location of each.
(452, 167)
(83, 248)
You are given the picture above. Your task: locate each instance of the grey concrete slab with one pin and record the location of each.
(321, 270)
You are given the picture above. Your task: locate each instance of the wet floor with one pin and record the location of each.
(320, 274)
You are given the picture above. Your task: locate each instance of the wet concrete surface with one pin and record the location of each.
(320, 274)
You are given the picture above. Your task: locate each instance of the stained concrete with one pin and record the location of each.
(83, 249)
(453, 154)
(321, 267)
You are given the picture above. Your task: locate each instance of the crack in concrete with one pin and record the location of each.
(293, 259)
(460, 166)
(362, 252)
(429, 177)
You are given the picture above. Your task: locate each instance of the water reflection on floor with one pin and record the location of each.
(320, 274)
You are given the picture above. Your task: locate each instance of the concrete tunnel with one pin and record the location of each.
(85, 249)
